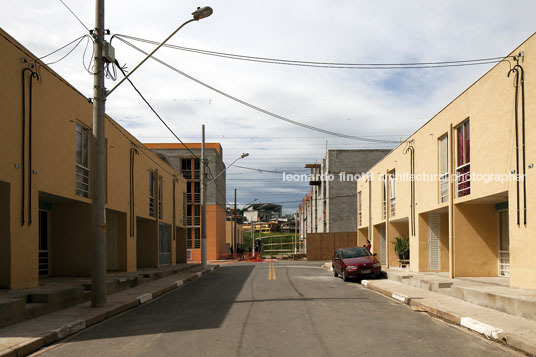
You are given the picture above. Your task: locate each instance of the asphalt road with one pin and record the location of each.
(275, 309)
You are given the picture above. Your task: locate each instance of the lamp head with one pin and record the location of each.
(202, 12)
(244, 155)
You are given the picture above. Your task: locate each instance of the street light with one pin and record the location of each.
(222, 171)
(102, 50)
(200, 13)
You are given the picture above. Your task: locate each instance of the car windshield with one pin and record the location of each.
(355, 252)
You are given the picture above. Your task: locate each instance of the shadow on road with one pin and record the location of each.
(202, 304)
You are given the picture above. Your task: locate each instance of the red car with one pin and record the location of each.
(355, 262)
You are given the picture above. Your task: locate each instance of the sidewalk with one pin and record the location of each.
(514, 331)
(28, 336)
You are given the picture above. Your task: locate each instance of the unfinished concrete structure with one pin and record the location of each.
(330, 204)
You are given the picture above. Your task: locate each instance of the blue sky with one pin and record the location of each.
(379, 104)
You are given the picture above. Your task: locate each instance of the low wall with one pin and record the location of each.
(322, 246)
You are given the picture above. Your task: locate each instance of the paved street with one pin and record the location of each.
(275, 309)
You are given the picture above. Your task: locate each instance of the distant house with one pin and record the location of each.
(263, 212)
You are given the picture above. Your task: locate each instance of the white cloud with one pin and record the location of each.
(349, 101)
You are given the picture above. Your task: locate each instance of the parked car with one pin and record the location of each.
(355, 262)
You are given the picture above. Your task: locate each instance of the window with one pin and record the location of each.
(359, 210)
(443, 168)
(186, 168)
(392, 202)
(151, 193)
(160, 197)
(83, 140)
(463, 168)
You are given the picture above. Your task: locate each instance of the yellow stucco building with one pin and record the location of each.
(465, 211)
(46, 188)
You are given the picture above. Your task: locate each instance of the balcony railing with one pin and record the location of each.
(392, 206)
(463, 180)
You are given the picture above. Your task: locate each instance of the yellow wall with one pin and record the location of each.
(57, 107)
(489, 106)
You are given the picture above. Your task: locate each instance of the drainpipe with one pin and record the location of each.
(451, 202)
(23, 163)
(133, 151)
(387, 217)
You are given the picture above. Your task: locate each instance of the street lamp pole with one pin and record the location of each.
(98, 179)
(203, 202)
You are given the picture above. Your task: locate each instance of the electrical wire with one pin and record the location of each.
(122, 69)
(62, 47)
(254, 107)
(341, 65)
(68, 53)
(72, 12)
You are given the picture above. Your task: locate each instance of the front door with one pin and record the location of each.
(434, 246)
(44, 243)
(164, 244)
(383, 243)
(504, 245)
(111, 241)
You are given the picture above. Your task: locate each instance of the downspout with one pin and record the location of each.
(514, 70)
(23, 156)
(451, 202)
(409, 148)
(34, 74)
(387, 219)
(522, 72)
(133, 151)
(370, 208)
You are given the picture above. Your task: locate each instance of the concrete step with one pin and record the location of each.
(40, 301)
(517, 302)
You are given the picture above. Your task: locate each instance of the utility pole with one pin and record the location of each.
(98, 213)
(295, 231)
(234, 226)
(252, 238)
(203, 202)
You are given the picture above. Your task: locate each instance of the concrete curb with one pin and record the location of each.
(490, 332)
(55, 335)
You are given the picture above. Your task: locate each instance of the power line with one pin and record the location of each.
(340, 65)
(167, 126)
(264, 111)
(72, 12)
(79, 39)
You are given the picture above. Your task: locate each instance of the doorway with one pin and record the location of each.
(111, 241)
(164, 244)
(434, 243)
(44, 243)
(383, 245)
(504, 244)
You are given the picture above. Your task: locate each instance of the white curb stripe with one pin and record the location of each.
(364, 283)
(70, 328)
(480, 327)
(400, 297)
(144, 298)
(179, 282)
(199, 274)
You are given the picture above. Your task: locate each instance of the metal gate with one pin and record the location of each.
(164, 244)
(504, 245)
(434, 247)
(44, 243)
(383, 243)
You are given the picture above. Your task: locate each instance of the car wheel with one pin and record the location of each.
(344, 277)
(335, 274)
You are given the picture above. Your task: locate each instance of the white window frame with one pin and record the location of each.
(160, 197)
(443, 152)
(83, 169)
(152, 212)
(392, 193)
